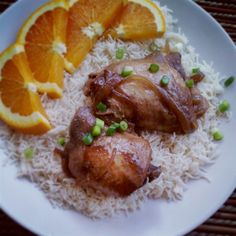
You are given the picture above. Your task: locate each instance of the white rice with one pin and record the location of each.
(179, 162)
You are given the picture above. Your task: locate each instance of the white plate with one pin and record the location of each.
(28, 206)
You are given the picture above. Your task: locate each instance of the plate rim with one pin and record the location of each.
(208, 214)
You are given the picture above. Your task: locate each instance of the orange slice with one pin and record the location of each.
(20, 105)
(87, 21)
(140, 20)
(43, 36)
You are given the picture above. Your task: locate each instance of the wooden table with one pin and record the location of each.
(223, 222)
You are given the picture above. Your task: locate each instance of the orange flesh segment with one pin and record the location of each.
(15, 95)
(137, 23)
(82, 15)
(46, 63)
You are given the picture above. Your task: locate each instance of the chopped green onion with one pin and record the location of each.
(96, 131)
(217, 135)
(28, 153)
(123, 125)
(154, 68)
(165, 80)
(195, 71)
(127, 70)
(101, 107)
(116, 125)
(100, 123)
(120, 53)
(153, 47)
(224, 106)
(189, 83)
(112, 129)
(61, 141)
(229, 81)
(87, 139)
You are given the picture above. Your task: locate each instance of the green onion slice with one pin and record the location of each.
(100, 123)
(229, 81)
(112, 129)
(61, 141)
(123, 125)
(120, 53)
(218, 136)
(224, 106)
(116, 125)
(127, 71)
(165, 80)
(96, 131)
(195, 71)
(87, 139)
(189, 83)
(154, 68)
(101, 107)
(29, 153)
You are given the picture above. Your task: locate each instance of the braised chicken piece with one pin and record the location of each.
(200, 104)
(115, 165)
(140, 98)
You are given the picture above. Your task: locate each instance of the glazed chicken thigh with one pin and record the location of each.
(116, 165)
(141, 99)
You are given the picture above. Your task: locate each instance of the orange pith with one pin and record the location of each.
(93, 17)
(20, 105)
(43, 37)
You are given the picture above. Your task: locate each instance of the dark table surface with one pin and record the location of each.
(223, 222)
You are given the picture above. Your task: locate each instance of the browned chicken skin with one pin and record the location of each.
(116, 165)
(141, 99)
